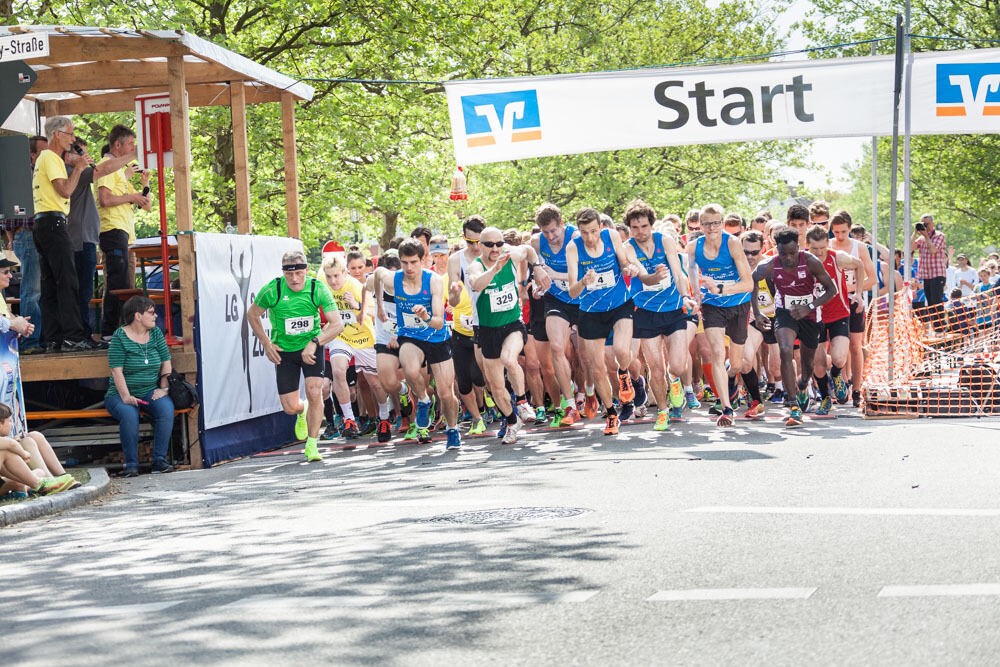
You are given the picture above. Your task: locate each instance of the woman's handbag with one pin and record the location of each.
(181, 392)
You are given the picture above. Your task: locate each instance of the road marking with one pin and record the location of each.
(732, 594)
(851, 511)
(310, 602)
(939, 590)
(516, 598)
(86, 612)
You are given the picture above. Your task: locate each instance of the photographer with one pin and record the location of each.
(932, 269)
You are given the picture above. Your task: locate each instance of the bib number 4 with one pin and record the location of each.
(605, 280)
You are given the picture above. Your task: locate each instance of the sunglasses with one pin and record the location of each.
(751, 253)
(492, 244)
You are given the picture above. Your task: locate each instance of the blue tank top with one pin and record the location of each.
(722, 270)
(557, 260)
(610, 290)
(662, 297)
(878, 272)
(408, 324)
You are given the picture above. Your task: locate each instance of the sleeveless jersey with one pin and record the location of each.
(836, 308)
(609, 291)
(386, 330)
(795, 287)
(472, 319)
(408, 324)
(557, 260)
(499, 303)
(850, 274)
(722, 270)
(662, 297)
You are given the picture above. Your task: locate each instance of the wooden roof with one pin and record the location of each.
(94, 70)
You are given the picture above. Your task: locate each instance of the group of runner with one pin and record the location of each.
(578, 319)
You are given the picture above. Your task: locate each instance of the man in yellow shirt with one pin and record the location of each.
(52, 187)
(116, 199)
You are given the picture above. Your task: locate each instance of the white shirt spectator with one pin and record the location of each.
(971, 278)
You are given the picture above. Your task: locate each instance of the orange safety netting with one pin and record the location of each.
(944, 358)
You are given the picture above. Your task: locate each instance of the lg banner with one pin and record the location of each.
(509, 119)
(237, 380)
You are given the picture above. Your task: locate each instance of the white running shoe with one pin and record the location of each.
(512, 431)
(525, 412)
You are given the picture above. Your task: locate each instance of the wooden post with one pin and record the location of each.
(181, 138)
(238, 108)
(291, 165)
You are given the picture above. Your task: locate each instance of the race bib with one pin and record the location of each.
(765, 303)
(299, 325)
(467, 322)
(389, 326)
(605, 280)
(851, 278)
(347, 317)
(803, 300)
(411, 321)
(503, 299)
(662, 285)
(561, 284)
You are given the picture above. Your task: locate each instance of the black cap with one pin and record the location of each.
(8, 258)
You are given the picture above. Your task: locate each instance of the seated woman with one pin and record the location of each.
(139, 362)
(16, 474)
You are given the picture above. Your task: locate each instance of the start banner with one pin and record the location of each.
(955, 92)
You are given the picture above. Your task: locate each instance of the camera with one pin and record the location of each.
(77, 148)
(919, 227)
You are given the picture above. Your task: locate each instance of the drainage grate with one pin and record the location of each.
(509, 515)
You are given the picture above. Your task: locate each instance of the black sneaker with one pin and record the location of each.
(856, 397)
(716, 409)
(129, 472)
(384, 431)
(160, 467)
(79, 346)
(50, 348)
(330, 432)
(626, 411)
(350, 429)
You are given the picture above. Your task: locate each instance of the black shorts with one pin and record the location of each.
(385, 349)
(536, 320)
(434, 353)
(292, 368)
(807, 331)
(768, 334)
(857, 319)
(598, 325)
(491, 338)
(556, 308)
(650, 324)
(831, 330)
(467, 371)
(732, 318)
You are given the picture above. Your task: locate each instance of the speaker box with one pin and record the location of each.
(16, 199)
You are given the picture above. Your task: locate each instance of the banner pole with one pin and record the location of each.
(874, 249)
(893, 182)
(907, 213)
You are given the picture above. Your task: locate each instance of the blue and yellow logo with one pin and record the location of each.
(968, 89)
(501, 118)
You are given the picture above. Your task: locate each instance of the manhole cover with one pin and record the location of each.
(509, 515)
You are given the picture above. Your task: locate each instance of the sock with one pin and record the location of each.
(589, 388)
(311, 441)
(512, 417)
(383, 409)
(706, 371)
(821, 384)
(779, 385)
(348, 411)
(835, 370)
(688, 388)
(354, 409)
(610, 412)
(328, 410)
(522, 399)
(752, 383)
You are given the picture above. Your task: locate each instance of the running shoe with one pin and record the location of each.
(503, 428)
(734, 394)
(351, 430)
(423, 436)
(489, 400)
(423, 414)
(49, 485)
(330, 432)
(778, 396)
(367, 426)
(478, 428)
(802, 399)
(571, 417)
(768, 391)
(794, 417)
(625, 411)
(454, 439)
(384, 430)
(311, 452)
(540, 416)
(641, 411)
(662, 421)
(641, 396)
(524, 412)
(708, 396)
(433, 414)
(675, 414)
(557, 417)
(755, 411)
(677, 394)
(840, 389)
(13, 495)
(411, 432)
(856, 398)
(590, 407)
(716, 408)
(626, 392)
(612, 426)
(405, 404)
(512, 432)
(824, 407)
(581, 399)
(725, 419)
(692, 401)
(301, 427)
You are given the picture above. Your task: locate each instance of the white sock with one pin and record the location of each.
(347, 410)
(589, 388)
(688, 387)
(383, 409)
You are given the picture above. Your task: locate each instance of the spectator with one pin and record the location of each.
(139, 362)
(23, 246)
(933, 265)
(116, 199)
(52, 190)
(960, 315)
(965, 275)
(36, 145)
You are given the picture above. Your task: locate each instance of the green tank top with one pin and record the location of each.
(499, 304)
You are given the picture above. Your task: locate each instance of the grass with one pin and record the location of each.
(79, 474)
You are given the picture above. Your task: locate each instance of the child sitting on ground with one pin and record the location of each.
(28, 463)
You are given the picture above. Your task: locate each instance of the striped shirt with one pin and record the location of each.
(139, 363)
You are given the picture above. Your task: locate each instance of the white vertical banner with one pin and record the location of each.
(237, 380)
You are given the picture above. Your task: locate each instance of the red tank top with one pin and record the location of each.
(836, 308)
(794, 287)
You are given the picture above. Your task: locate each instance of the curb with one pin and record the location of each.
(98, 485)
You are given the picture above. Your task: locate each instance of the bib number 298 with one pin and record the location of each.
(298, 325)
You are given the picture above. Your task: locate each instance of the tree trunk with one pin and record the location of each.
(389, 228)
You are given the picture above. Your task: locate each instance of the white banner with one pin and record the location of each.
(24, 46)
(509, 119)
(237, 380)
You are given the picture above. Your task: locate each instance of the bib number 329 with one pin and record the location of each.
(298, 325)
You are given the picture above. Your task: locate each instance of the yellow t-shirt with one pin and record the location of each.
(48, 167)
(356, 334)
(461, 315)
(765, 300)
(121, 216)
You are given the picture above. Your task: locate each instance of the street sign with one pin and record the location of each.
(24, 47)
(16, 79)
(146, 134)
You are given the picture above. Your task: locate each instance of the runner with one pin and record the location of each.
(597, 263)
(792, 276)
(422, 336)
(467, 356)
(726, 283)
(386, 343)
(501, 333)
(661, 315)
(295, 346)
(753, 243)
(835, 317)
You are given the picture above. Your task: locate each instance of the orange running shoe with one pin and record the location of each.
(571, 417)
(590, 407)
(626, 392)
(612, 427)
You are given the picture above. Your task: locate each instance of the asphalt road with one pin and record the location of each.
(844, 541)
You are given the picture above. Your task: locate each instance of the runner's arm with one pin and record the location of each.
(694, 273)
(858, 265)
(674, 263)
(437, 303)
(576, 284)
(479, 277)
(742, 265)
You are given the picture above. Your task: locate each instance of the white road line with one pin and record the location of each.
(310, 602)
(732, 594)
(849, 511)
(939, 590)
(87, 612)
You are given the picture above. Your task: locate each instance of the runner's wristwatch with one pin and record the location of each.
(812, 306)
(315, 340)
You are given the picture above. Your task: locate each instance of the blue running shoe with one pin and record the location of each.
(639, 386)
(778, 397)
(840, 389)
(675, 414)
(802, 399)
(626, 411)
(692, 401)
(454, 439)
(824, 407)
(423, 419)
(503, 428)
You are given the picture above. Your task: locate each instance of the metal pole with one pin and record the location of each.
(893, 180)
(907, 213)
(874, 250)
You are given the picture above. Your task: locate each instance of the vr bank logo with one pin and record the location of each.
(968, 89)
(501, 118)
